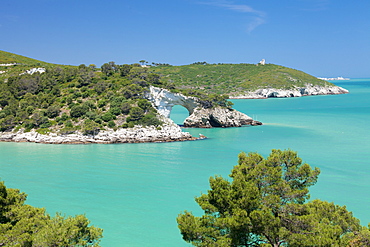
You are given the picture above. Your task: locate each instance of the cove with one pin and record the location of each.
(135, 191)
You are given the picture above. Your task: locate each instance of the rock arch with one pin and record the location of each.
(200, 117)
(163, 100)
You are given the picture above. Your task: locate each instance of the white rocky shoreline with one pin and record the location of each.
(138, 134)
(308, 90)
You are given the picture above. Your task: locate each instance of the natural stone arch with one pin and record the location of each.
(163, 100)
(201, 117)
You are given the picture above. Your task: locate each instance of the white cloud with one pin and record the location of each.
(255, 23)
(258, 17)
(240, 8)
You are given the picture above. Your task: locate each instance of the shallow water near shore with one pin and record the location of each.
(135, 191)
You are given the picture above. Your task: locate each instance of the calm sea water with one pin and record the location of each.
(135, 191)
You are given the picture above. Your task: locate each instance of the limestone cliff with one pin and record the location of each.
(295, 92)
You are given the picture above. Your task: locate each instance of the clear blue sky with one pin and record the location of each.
(320, 37)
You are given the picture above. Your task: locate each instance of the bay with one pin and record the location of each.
(135, 191)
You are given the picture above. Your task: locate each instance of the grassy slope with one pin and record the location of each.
(211, 78)
(235, 78)
(22, 64)
(7, 57)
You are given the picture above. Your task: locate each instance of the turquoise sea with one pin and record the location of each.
(135, 191)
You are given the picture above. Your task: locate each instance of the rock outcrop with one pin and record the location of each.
(34, 70)
(296, 92)
(218, 117)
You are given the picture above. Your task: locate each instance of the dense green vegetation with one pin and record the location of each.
(233, 79)
(23, 225)
(77, 98)
(65, 99)
(265, 204)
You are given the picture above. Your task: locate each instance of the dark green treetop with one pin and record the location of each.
(265, 204)
(23, 225)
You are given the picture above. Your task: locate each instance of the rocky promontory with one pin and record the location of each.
(163, 101)
(308, 90)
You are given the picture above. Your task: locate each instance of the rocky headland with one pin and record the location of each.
(308, 90)
(161, 99)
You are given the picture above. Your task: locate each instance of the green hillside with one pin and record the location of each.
(65, 99)
(234, 78)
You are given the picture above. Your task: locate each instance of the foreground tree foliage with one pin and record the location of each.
(24, 225)
(266, 205)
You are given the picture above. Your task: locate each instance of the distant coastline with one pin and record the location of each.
(339, 78)
(309, 90)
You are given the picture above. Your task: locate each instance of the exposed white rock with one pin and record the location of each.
(34, 70)
(296, 92)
